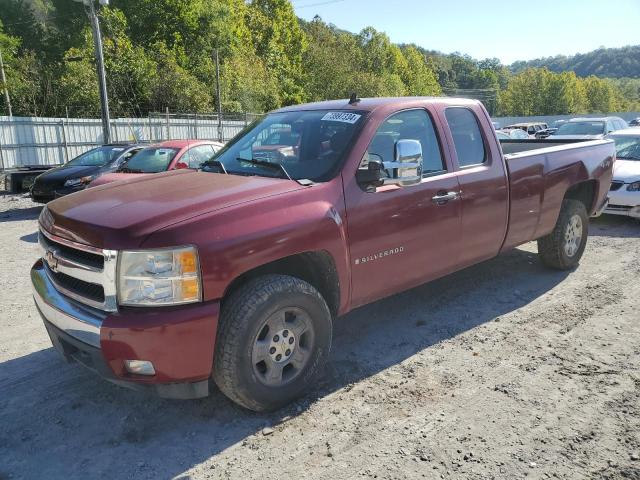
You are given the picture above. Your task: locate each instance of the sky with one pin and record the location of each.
(508, 30)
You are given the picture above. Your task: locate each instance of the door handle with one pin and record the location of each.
(443, 197)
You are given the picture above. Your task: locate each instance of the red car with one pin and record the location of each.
(162, 157)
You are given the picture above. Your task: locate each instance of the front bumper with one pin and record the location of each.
(43, 194)
(179, 341)
(623, 202)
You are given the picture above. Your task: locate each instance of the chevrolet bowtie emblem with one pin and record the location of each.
(52, 260)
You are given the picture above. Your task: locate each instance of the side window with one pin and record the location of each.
(467, 138)
(198, 155)
(407, 125)
(127, 156)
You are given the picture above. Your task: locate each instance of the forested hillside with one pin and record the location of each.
(604, 62)
(160, 54)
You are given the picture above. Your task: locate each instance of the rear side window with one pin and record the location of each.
(467, 138)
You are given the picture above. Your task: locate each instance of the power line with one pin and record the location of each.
(318, 4)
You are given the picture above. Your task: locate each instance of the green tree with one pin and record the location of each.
(130, 72)
(280, 41)
(601, 95)
(418, 77)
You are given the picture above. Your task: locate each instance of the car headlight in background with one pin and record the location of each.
(633, 187)
(159, 277)
(74, 182)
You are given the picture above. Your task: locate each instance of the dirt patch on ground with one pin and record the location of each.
(504, 370)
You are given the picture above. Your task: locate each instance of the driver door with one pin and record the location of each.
(401, 237)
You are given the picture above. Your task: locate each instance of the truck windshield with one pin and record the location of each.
(97, 157)
(308, 144)
(581, 128)
(150, 160)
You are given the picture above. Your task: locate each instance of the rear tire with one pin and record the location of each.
(564, 246)
(274, 338)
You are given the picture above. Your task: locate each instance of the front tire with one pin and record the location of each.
(564, 246)
(274, 337)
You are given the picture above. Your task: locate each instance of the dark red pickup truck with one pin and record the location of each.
(233, 274)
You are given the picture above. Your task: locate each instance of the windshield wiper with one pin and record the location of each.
(130, 170)
(216, 164)
(626, 158)
(266, 163)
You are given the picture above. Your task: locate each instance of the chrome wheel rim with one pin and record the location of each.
(573, 236)
(282, 347)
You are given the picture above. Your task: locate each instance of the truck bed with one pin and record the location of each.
(523, 145)
(540, 173)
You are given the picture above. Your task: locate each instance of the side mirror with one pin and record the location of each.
(407, 167)
(181, 166)
(408, 164)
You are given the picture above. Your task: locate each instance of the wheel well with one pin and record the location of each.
(316, 268)
(584, 192)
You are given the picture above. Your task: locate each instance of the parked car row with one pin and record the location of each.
(574, 129)
(624, 194)
(114, 162)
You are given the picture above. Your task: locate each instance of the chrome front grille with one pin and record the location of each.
(83, 273)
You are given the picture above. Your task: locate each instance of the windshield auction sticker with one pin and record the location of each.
(344, 117)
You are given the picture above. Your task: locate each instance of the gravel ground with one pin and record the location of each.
(505, 370)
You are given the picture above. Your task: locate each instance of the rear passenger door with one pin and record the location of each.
(483, 183)
(400, 237)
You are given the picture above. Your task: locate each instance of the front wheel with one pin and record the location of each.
(273, 340)
(564, 246)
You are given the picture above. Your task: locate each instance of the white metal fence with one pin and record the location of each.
(52, 141)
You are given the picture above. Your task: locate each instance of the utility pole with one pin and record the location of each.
(102, 77)
(219, 98)
(3, 79)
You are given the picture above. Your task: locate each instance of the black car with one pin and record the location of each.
(635, 122)
(76, 174)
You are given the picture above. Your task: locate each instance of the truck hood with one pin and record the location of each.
(627, 171)
(122, 214)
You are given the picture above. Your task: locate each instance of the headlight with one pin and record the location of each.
(633, 187)
(74, 182)
(159, 277)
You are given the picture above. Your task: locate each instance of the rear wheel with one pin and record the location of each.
(564, 246)
(273, 339)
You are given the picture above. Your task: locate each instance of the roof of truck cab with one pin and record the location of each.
(370, 104)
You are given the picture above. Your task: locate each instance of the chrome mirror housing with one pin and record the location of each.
(408, 164)
(405, 170)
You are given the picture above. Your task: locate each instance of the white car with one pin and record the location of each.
(588, 128)
(511, 134)
(624, 195)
